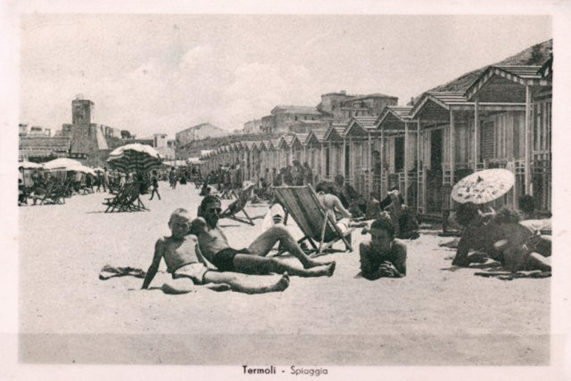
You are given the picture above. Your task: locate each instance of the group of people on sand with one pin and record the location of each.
(198, 245)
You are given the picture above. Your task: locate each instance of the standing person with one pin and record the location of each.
(154, 185)
(297, 173)
(307, 174)
(99, 178)
(172, 178)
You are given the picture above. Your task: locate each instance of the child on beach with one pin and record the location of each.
(188, 268)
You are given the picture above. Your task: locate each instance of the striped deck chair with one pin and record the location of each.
(316, 224)
(238, 206)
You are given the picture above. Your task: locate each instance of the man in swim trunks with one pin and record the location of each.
(185, 263)
(252, 260)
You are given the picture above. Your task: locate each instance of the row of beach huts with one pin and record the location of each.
(424, 148)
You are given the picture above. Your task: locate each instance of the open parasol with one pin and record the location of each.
(134, 157)
(62, 164)
(29, 165)
(483, 186)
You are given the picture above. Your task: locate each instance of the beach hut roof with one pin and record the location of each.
(361, 125)
(436, 104)
(546, 70)
(316, 136)
(394, 118)
(506, 83)
(335, 133)
(285, 141)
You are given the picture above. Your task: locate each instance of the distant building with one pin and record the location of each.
(342, 107)
(43, 148)
(253, 126)
(198, 132)
(282, 117)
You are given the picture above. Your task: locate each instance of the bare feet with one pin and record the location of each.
(321, 270)
(281, 284)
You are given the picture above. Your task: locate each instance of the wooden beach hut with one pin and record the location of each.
(395, 164)
(298, 147)
(513, 113)
(444, 120)
(317, 153)
(335, 152)
(285, 148)
(361, 138)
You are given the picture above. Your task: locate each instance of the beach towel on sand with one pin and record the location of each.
(108, 272)
(506, 275)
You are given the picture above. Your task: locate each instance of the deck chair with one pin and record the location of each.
(126, 200)
(239, 206)
(317, 225)
(52, 195)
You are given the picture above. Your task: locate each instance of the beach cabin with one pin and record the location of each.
(255, 161)
(513, 111)
(361, 139)
(444, 124)
(395, 163)
(317, 153)
(334, 151)
(298, 147)
(285, 148)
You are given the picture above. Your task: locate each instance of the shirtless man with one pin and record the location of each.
(383, 247)
(188, 268)
(215, 247)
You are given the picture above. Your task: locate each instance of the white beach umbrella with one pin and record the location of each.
(483, 186)
(29, 165)
(62, 164)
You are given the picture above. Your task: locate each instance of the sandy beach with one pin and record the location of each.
(437, 315)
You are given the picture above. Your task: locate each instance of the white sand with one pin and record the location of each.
(436, 315)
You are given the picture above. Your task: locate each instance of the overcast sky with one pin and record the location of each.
(152, 74)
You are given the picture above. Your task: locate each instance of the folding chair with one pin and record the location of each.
(239, 206)
(317, 224)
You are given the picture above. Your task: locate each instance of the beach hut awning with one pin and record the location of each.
(29, 165)
(393, 119)
(506, 84)
(436, 105)
(193, 160)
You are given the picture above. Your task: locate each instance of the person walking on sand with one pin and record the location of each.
(252, 260)
(188, 269)
(154, 185)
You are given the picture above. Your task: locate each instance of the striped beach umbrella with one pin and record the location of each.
(134, 157)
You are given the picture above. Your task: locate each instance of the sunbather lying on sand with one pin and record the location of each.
(216, 249)
(503, 238)
(383, 255)
(188, 269)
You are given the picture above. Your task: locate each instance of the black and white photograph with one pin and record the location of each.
(301, 193)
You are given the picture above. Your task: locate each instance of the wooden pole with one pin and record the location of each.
(527, 143)
(406, 143)
(476, 137)
(418, 168)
